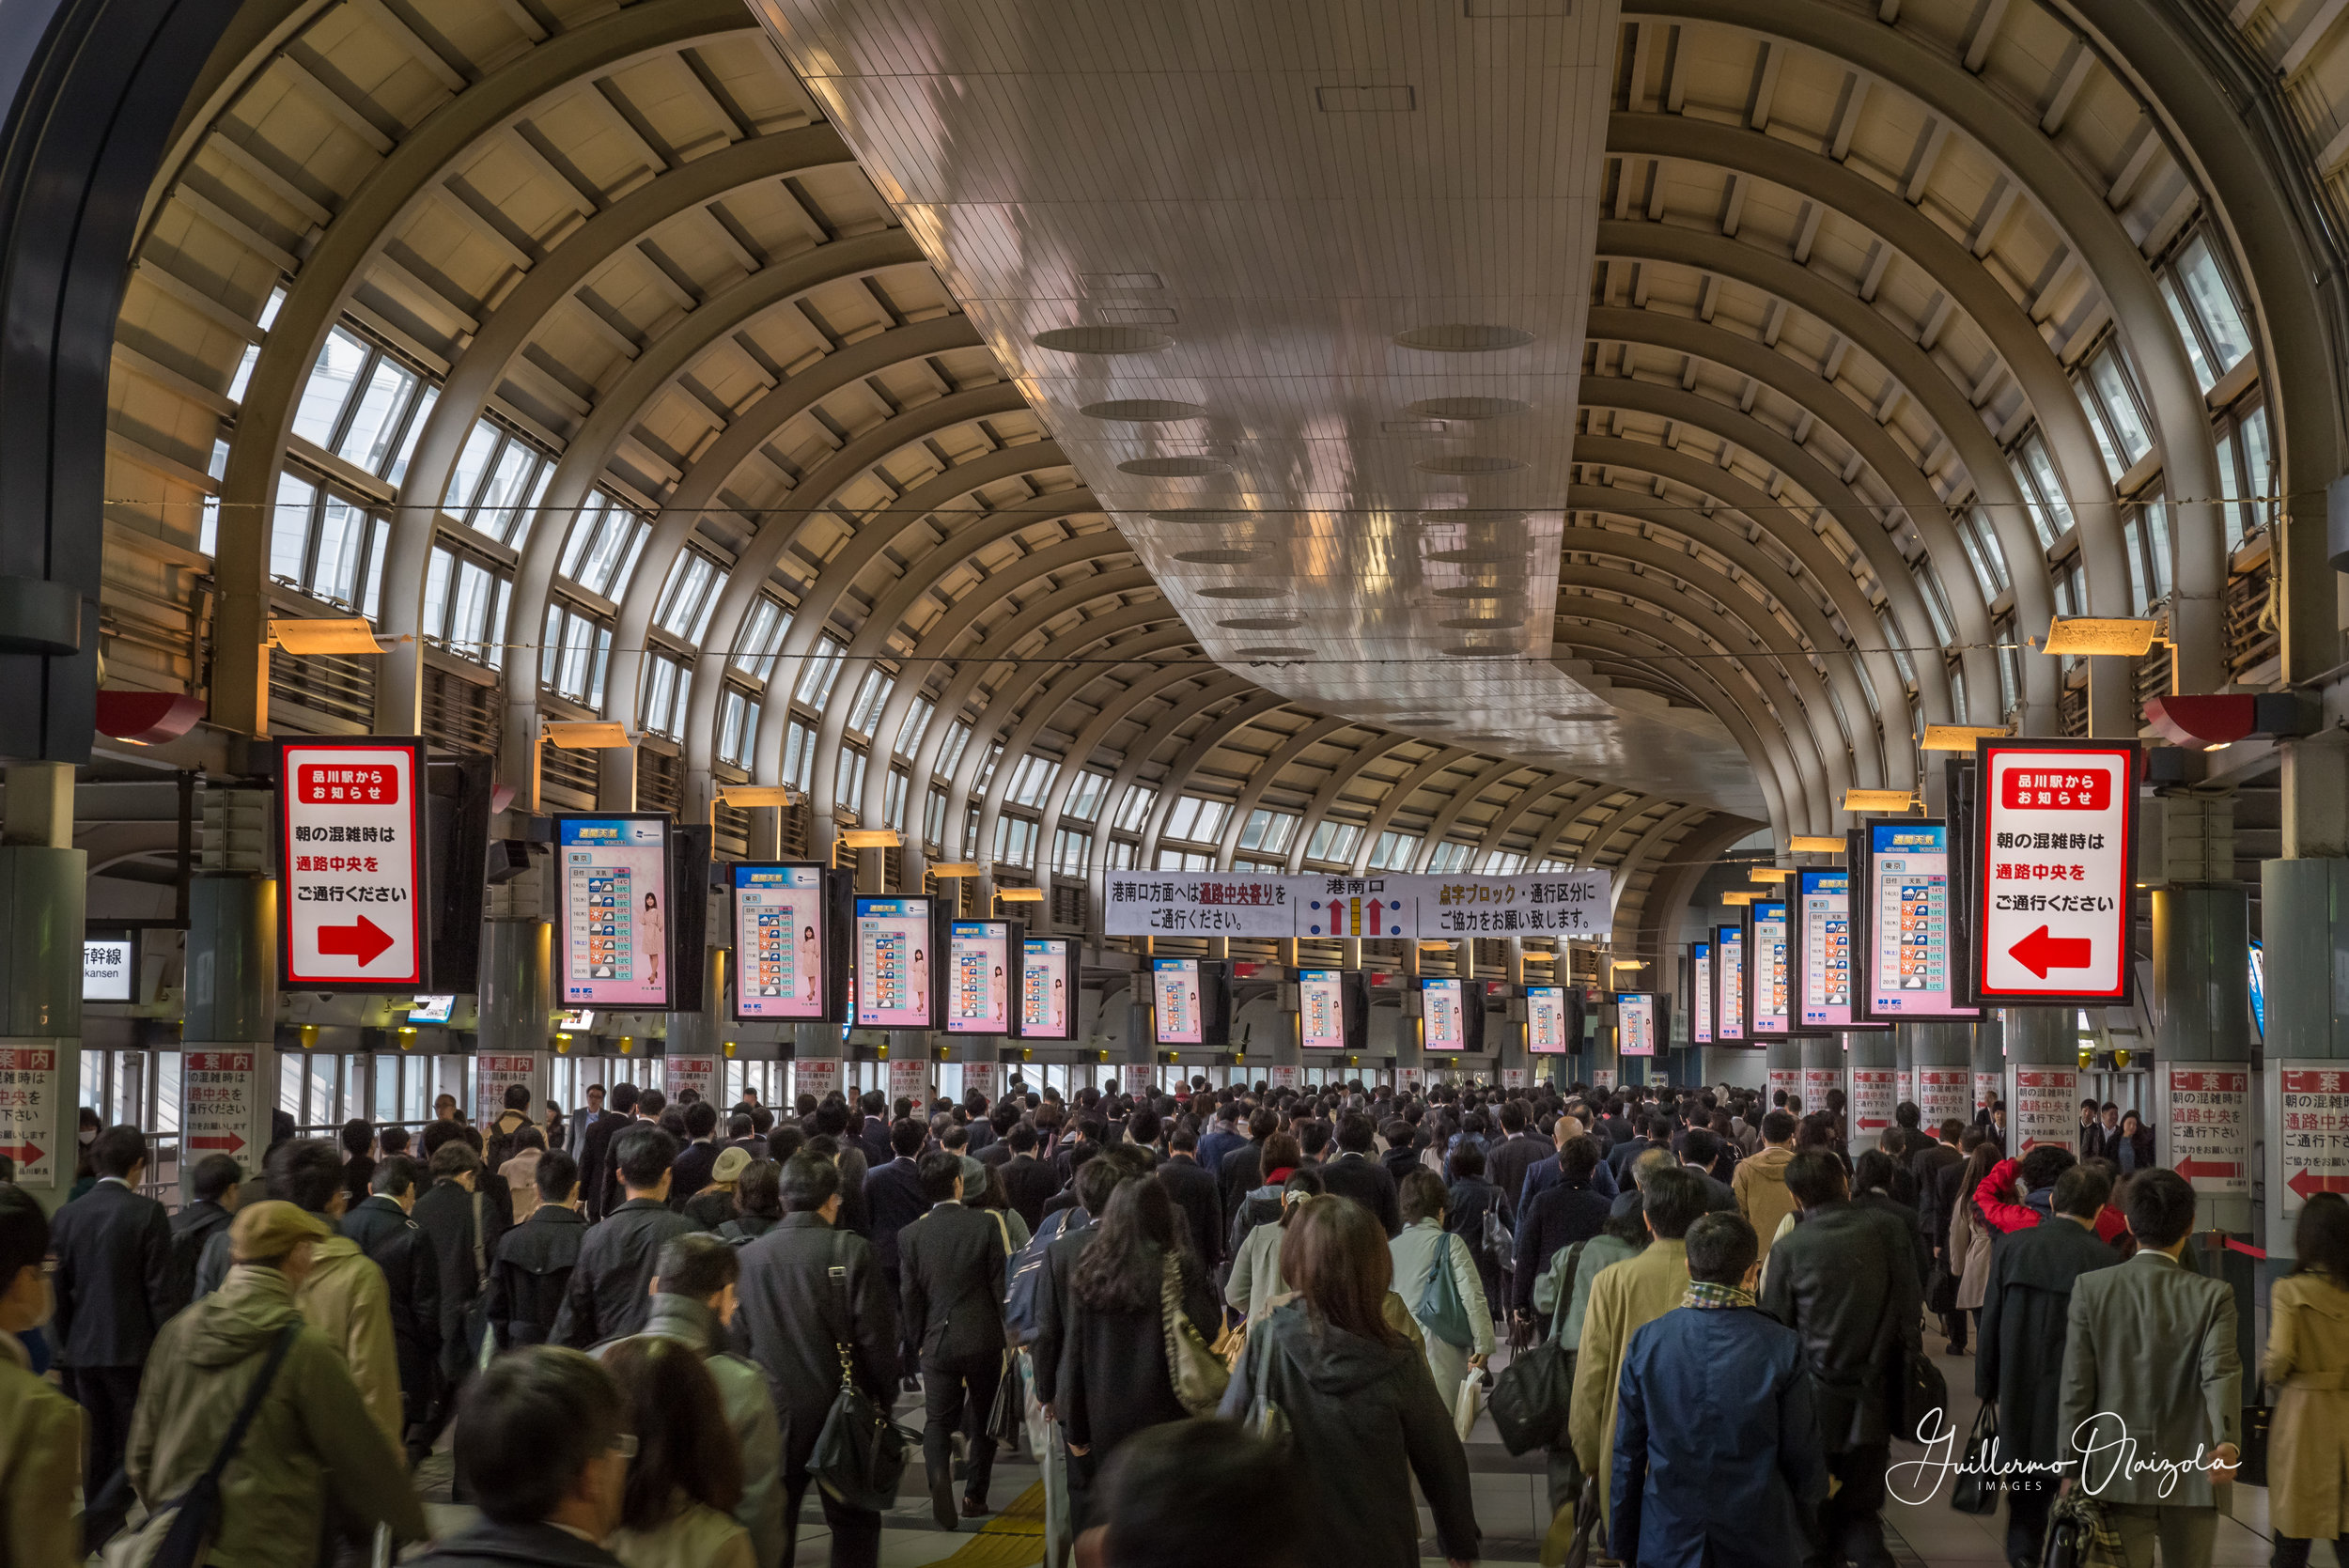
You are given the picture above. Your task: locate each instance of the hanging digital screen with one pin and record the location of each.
(1729, 986)
(1451, 1018)
(431, 1009)
(616, 908)
(2259, 989)
(780, 939)
(978, 975)
(1823, 950)
(1902, 909)
(1177, 1015)
(1769, 1002)
(1548, 1016)
(1636, 1021)
(1700, 974)
(1047, 975)
(893, 939)
(1321, 1009)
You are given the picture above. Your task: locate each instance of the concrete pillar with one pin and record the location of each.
(1989, 1051)
(228, 1078)
(1871, 1064)
(1142, 1047)
(2203, 1049)
(2304, 919)
(2042, 1077)
(1822, 1071)
(43, 885)
(1905, 1070)
(1600, 1053)
(817, 1051)
(517, 1003)
(1409, 1057)
(615, 779)
(1941, 1057)
(694, 1047)
(1507, 1033)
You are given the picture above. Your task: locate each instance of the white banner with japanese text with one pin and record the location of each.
(1243, 904)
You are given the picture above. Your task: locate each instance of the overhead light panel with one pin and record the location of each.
(587, 735)
(324, 634)
(955, 868)
(1626, 964)
(1879, 800)
(1960, 737)
(1020, 895)
(1740, 895)
(870, 838)
(1768, 873)
(2085, 634)
(755, 794)
(1816, 844)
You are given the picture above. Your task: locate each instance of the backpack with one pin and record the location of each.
(1439, 1308)
(1501, 1242)
(1022, 1290)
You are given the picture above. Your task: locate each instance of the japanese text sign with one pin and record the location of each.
(1384, 906)
(2052, 912)
(350, 855)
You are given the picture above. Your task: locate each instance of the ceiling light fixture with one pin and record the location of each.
(319, 634)
(587, 735)
(1816, 844)
(753, 795)
(1879, 800)
(2092, 635)
(1960, 737)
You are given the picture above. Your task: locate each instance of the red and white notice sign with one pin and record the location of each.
(1786, 1080)
(1942, 1097)
(697, 1073)
(351, 859)
(1286, 1078)
(1987, 1087)
(2309, 1131)
(1905, 1090)
(1872, 1102)
(2210, 1128)
(219, 1094)
(2058, 824)
(2044, 1107)
(981, 1077)
(1409, 1078)
(493, 1073)
(910, 1080)
(817, 1076)
(1601, 1078)
(1816, 1081)
(28, 1112)
(1513, 1078)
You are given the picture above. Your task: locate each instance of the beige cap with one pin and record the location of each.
(730, 1166)
(270, 1230)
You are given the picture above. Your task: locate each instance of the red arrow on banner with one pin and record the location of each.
(2191, 1169)
(367, 941)
(23, 1153)
(2039, 952)
(226, 1142)
(2308, 1184)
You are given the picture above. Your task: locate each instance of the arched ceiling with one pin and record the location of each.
(694, 368)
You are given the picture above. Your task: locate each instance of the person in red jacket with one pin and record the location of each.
(2039, 1171)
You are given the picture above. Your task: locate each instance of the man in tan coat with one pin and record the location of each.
(1759, 1184)
(1624, 1297)
(345, 1295)
(40, 1430)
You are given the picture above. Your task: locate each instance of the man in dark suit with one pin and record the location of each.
(1658, 1135)
(1241, 1172)
(398, 1245)
(893, 1200)
(215, 1186)
(611, 1288)
(874, 1131)
(594, 1156)
(1221, 1139)
(576, 1143)
(1097, 1180)
(113, 1290)
(951, 1261)
(1517, 1152)
(1093, 1134)
(1194, 1194)
(1028, 1182)
(786, 1285)
(1354, 1174)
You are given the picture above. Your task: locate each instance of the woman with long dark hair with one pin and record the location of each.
(1357, 1396)
(2308, 1364)
(686, 1479)
(1114, 1378)
(1971, 1235)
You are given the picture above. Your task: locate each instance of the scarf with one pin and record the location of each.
(1704, 1294)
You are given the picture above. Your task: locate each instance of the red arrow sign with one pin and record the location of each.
(23, 1153)
(2039, 952)
(2308, 1184)
(367, 941)
(226, 1142)
(2191, 1169)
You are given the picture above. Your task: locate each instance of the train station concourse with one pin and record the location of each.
(1327, 553)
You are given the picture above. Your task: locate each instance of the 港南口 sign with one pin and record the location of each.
(2058, 825)
(1239, 904)
(351, 864)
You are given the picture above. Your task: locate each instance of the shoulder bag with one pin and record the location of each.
(1571, 1540)
(1266, 1418)
(859, 1454)
(1535, 1392)
(1199, 1374)
(1974, 1492)
(1439, 1308)
(194, 1513)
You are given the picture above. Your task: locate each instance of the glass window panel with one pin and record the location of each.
(731, 707)
(1072, 849)
(472, 463)
(579, 543)
(1084, 797)
(526, 515)
(342, 360)
(2213, 303)
(2204, 376)
(1333, 840)
(414, 433)
(2118, 399)
(822, 670)
(917, 719)
(342, 543)
(2157, 546)
(380, 538)
(2133, 543)
(493, 652)
(367, 438)
(1135, 809)
(2051, 513)
(872, 697)
(436, 586)
(289, 528)
(893, 801)
(933, 814)
(661, 683)
(599, 666)
(2259, 466)
(502, 495)
(958, 736)
(550, 646)
(756, 652)
(799, 754)
(470, 614)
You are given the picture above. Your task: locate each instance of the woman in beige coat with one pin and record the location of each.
(2308, 1364)
(1970, 1237)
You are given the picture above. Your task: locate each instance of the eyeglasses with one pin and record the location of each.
(624, 1445)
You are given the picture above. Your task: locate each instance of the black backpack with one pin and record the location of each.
(1022, 1290)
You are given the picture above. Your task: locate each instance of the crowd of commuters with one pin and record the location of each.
(632, 1325)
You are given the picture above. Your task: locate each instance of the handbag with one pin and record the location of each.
(1924, 1394)
(1501, 1242)
(194, 1513)
(2079, 1535)
(859, 1454)
(1266, 1420)
(1439, 1308)
(1941, 1290)
(1199, 1375)
(1464, 1407)
(1008, 1417)
(1232, 1343)
(1573, 1531)
(1531, 1396)
(2253, 1470)
(1973, 1493)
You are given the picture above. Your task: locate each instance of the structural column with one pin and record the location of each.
(1941, 1059)
(1410, 1058)
(2042, 1077)
(1511, 1054)
(229, 1078)
(1988, 1050)
(1821, 1072)
(1873, 1063)
(694, 1049)
(2202, 954)
(43, 884)
(2304, 916)
(516, 995)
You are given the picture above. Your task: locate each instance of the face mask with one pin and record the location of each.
(88, 1137)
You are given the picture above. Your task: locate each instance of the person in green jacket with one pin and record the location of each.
(312, 1435)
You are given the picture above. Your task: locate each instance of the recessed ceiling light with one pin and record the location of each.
(1463, 337)
(1583, 718)
(1242, 591)
(1263, 623)
(1469, 408)
(1144, 411)
(1468, 463)
(1218, 557)
(1101, 340)
(1278, 650)
(1203, 515)
(1173, 468)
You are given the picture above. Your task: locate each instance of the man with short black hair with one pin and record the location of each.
(1561, 1213)
(594, 1156)
(1193, 1191)
(1759, 1182)
(1354, 1174)
(1677, 1500)
(1241, 1172)
(382, 1228)
(694, 1297)
(114, 1290)
(2150, 1355)
(1517, 1152)
(345, 1295)
(216, 1188)
(1028, 1182)
(1845, 1280)
(532, 1270)
(696, 1161)
(540, 1444)
(464, 1230)
(951, 1262)
(583, 1117)
(788, 1283)
(893, 1200)
(611, 1288)
(1222, 1138)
